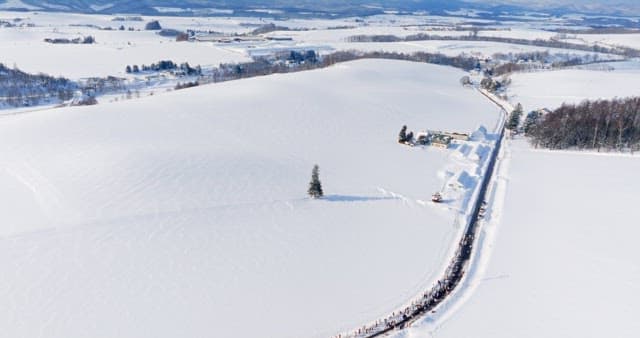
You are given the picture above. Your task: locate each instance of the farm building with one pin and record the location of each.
(441, 140)
(457, 136)
(438, 139)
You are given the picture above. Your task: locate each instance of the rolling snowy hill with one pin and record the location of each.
(185, 214)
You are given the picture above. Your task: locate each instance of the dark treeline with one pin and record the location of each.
(85, 40)
(268, 28)
(602, 124)
(619, 50)
(534, 56)
(186, 85)
(567, 61)
(265, 66)
(99, 85)
(18, 88)
(165, 65)
(597, 30)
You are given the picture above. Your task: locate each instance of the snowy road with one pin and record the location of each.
(455, 271)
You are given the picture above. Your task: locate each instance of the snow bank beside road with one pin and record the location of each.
(565, 262)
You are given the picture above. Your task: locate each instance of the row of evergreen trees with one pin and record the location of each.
(514, 118)
(163, 66)
(601, 124)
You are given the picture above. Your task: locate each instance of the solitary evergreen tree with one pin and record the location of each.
(530, 122)
(402, 137)
(315, 187)
(514, 118)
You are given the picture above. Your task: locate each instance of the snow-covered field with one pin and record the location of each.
(556, 255)
(185, 214)
(551, 89)
(480, 49)
(628, 40)
(24, 47)
(563, 261)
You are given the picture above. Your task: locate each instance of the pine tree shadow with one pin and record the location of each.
(346, 198)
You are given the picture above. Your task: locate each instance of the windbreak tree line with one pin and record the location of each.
(549, 43)
(601, 124)
(265, 66)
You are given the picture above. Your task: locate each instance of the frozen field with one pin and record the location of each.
(479, 49)
(114, 49)
(186, 214)
(551, 89)
(112, 52)
(629, 40)
(564, 262)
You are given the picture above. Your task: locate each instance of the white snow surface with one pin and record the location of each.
(563, 262)
(552, 89)
(185, 214)
(114, 49)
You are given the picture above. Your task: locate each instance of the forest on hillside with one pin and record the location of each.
(18, 88)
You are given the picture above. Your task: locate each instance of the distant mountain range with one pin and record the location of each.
(323, 7)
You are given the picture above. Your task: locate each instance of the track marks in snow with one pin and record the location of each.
(50, 200)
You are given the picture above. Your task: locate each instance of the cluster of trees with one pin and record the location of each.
(404, 137)
(121, 28)
(539, 60)
(186, 85)
(84, 40)
(99, 85)
(268, 28)
(309, 56)
(609, 124)
(551, 43)
(164, 66)
(18, 88)
(514, 118)
(127, 18)
(534, 56)
(7, 24)
(494, 85)
(511, 67)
